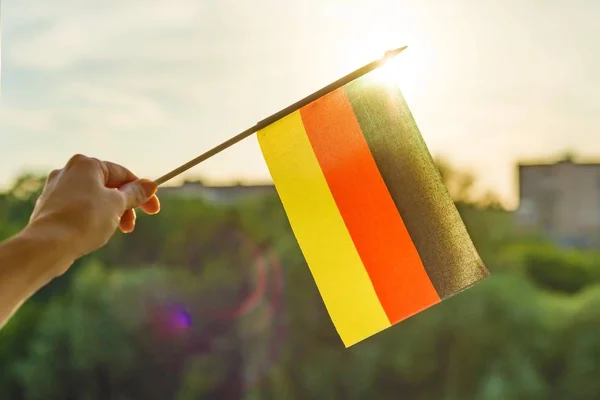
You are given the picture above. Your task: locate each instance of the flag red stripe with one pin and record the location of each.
(371, 217)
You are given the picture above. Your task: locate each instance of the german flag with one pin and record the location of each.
(375, 223)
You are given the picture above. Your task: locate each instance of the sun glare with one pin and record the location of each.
(408, 70)
(405, 71)
(390, 72)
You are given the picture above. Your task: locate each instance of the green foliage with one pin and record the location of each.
(101, 341)
(105, 330)
(580, 350)
(17, 203)
(566, 271)
(15, 339)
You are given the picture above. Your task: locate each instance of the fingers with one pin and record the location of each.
(113, 175)
(138, 192)
(116, 175)
(127, 222)
(131, 195)
(152, 206)
(132, 191)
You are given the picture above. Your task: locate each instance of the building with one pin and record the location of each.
(218, 194)
(561, 199)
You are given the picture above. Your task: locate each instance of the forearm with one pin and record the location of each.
(28, 261)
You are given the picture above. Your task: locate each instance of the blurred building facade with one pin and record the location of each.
(218, 194)
(562, 200)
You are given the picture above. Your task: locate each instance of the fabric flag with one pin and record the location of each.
(375, 223)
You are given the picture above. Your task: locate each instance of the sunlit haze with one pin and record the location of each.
(153, 84)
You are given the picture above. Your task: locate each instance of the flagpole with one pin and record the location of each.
(280, 114)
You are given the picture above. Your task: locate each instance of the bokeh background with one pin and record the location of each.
(211, 299)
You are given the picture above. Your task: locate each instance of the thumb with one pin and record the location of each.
(138, 192)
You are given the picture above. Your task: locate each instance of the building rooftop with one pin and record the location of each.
(567, 159)
(561, 198)
(218, 193)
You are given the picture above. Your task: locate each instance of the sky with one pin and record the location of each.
(151, 84)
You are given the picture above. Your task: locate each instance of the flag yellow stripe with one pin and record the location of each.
(320, 230)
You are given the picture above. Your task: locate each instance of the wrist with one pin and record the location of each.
(52, 242)
(28, 261)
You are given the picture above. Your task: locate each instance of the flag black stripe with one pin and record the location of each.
(404, 161)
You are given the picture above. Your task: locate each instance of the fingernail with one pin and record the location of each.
(148, 187)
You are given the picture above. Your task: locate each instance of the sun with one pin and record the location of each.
(408, 70)
(393, 71)
(405, 71)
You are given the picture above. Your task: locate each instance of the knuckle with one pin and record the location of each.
(139, 193)
(103, 169)
(95, 161)
(84, 164)
(81, 161)
(131, 198)
(53, 174)
(77, 159)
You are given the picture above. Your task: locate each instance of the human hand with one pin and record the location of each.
(85, 202)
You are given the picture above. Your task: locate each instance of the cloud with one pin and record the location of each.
(115, 109)
(171, 79)
(26, 120)
(91, 29)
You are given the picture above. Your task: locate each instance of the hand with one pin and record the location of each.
(84, 203)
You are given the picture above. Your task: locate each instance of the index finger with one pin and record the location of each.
(116, 175)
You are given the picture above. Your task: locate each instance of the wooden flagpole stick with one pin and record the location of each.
(278, 115)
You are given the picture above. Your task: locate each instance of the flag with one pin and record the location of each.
(375, 223)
